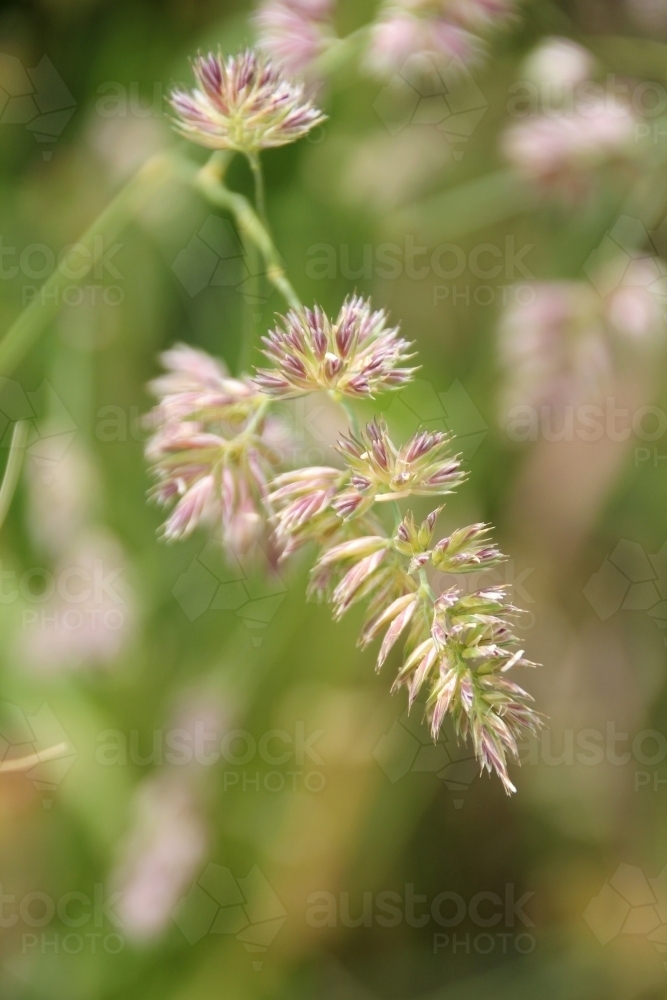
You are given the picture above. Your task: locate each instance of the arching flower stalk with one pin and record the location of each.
(458, 647)
(213, 458)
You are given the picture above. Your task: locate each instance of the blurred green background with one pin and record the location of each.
(285, 862)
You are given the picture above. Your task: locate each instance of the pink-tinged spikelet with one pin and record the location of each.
(208, 449)
(354, 355)
(242, 103)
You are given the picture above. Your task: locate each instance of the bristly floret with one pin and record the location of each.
(354, 355)
(423, 466)
(242, 103)
(459, 647)
(301, 501)
(209, 449)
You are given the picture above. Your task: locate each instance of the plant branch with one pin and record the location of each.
(258, 177)
(208, 182)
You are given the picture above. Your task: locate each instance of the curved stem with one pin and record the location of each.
(258, 176)
(209, 183)
(25, 763)
(13, 469)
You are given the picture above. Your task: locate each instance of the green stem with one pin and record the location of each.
(258, 177)
(91, 246)
(13, 469)
(350, 414)
(397, 514)
(253, 304)
(208, 182)
(425, 586)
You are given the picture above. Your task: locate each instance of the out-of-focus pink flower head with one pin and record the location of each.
(565, 344)
(444, 27)
(634, 307)
(561, 153)
(208, 449)
(400, 34)
(480, 14)
(559, 62)
(552, 348)
(63, 491)
(90, 616)
(294, 32)
(160, 856)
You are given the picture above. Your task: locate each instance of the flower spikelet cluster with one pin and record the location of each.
(210, 450)
(211, 453)
(357, 354)
(458, 647)
(242, 103)
(380, 471)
